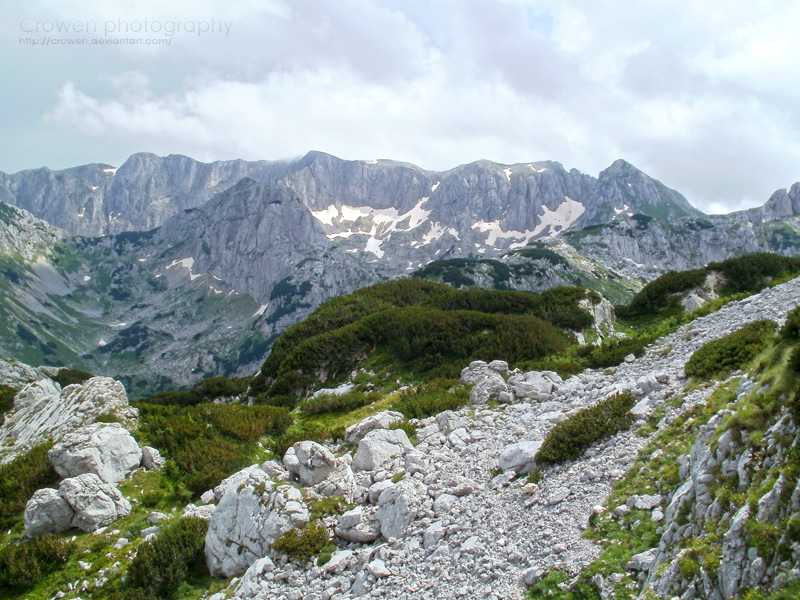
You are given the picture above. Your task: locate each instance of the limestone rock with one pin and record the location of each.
(379, 447)
(398, 506)
(519, 457)
(151, 458)
(105, 449)
(47, 512)
(94, 502)
(487, 389)
(448, 421)
(358, 525)
(250, 516)
(311, 462)
(382, 420)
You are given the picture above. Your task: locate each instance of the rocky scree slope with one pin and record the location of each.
(451, 524)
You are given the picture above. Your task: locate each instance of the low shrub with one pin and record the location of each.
(21, 477)
(732, 351)
(662, 293)
(613, 352)
(791, 328)
(570, 438)
(66, 377)
(794, 359)
(208, 442)
(431, 399)
(24, 564)
(6, 401)
(303, 544)
(162, 564)
(326, 403)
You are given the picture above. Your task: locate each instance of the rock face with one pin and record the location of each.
(105, 449)
(311, 462)
(248, 519)
(379, 447)
(42, 411)
(398, 506)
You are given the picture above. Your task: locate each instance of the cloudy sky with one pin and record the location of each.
(704, 96)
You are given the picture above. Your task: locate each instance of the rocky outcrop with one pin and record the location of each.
(382, 420)
(44, 411)
(248, 519)
(85, 502)
(105, 449)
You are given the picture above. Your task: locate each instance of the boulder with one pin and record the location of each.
(448, 421)
(151, 458)
(642, 561)
(250, 584)
(519, 457)
(234, 480)
(398, 506)
(489, 388)
(379, 448)
(250, 516)
(531, 385)
(478, 371)
(47, 512)
(95, 503)
(43, 411)
(382, 420)
(310, 463)
(358, 525)
(105, 449)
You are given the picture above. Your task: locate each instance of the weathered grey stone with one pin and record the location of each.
(47, 512)
(151, 458)
(398, 506)
(248, 519)
(382, 420)
(379, 448)
(519, 457)
(642, 561)
(448, 421)
(358, 525)
(94, 502)
(105, 449)
(312, 462)
(487, 389)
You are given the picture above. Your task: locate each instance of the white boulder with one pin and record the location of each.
(249, 518)
(105, 449)
(399, 505)
(382, 420)
(358, 525)
(489, 388)
(310, 462)
(47, 512)
(94, 502)
(379, 448)
(151, 458)
(519, 457)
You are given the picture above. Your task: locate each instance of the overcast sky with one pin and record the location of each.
(703, 95)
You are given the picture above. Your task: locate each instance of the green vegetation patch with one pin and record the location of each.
(570, 438)
(431, 398)
(163, 564)
(732, 351)
(66, 377)
(206, 443)
(303, 544)
(23, 564)
(423, 327)
(326, 403)
(21, 477)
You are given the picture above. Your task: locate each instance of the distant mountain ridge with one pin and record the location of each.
(184, 269)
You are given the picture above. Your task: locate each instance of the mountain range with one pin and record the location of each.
(165, 270)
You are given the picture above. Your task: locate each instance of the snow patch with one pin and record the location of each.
(375, 222)
(118, 324)
(434, 186)
(371, 162)
(374, 246)
(261, 310)
(436, 231)
(101, 342)
(87, 278)
(508, 173)
(562, 217)
(326, 216)
(617, 211)
(542, 170)
(93, 187)
(633, 262)
(111, 170)
(142, 260)
(186, 263)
